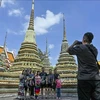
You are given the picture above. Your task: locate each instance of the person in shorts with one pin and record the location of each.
(50, 82)
(43, 76)
(32, 83)
(55, 76)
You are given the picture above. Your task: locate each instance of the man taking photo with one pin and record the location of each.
(88, 71)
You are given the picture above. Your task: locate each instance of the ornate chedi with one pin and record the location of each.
(28, 54)
(46, 62)
(6, 57)
(7, 79)
(27, 58)
(66, 66)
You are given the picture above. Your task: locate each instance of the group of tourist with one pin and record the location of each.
(88, 86)
(48, 84)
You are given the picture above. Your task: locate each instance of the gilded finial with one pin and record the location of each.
(64, 29)
(46, 46)
(31, 23)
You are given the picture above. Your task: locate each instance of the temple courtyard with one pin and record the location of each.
(13, 97)
(63, 98)
(30, 57)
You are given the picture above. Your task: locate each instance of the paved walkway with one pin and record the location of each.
(13, 97)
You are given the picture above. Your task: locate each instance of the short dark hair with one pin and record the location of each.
(88, 37)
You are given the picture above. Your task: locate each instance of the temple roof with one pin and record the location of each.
(46, 61)
(10, 54)
(65, 59)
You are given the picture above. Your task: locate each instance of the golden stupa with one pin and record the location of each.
(7, 79)
(46, 61)
(28, 54)
(27, 58)
(66, 66)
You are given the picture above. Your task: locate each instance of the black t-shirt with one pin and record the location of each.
(50, 78)
(33, 77)
(43, 76)
(56, 76)
(87, 67)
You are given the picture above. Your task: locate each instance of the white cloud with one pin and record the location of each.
(51, 46)
(4, 2)
(42, 24)
(15, 12)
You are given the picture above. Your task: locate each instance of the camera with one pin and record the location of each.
(79, 42)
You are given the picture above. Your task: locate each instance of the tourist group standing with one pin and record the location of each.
(39, 83)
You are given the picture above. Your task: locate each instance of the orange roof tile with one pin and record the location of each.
(10, 55)
(1, 49)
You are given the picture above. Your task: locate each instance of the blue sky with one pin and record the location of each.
(81, 16)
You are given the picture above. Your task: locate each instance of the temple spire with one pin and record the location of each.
(31, 23)
(30, 33)
(64, 29)
(5, 51)
(46, 46)
(64, 45)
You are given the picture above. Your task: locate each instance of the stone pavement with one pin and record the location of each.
(13, 97)
(8, 95)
